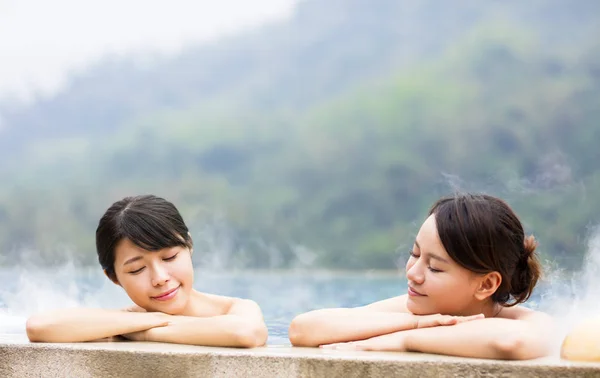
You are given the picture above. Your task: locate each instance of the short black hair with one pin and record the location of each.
(148, 221)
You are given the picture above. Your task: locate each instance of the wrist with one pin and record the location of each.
(413, 320)
(148, 334)
(159, 319)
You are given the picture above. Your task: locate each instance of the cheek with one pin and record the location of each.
(136, 288)
(183, 270)
(444, 283)
(450, 292)
(134, 283)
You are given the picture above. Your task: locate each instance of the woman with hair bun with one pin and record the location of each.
(470, 268)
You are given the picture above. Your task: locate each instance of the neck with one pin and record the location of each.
(490, 309)
(191, 305)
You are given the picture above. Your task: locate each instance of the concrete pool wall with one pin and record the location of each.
(20, 358)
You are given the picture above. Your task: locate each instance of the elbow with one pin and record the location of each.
(251, 336)
(298, 335)
(513, 347)
(36, 329)
(295, 333)
(508, 347)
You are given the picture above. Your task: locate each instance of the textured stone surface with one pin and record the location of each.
(19, 358)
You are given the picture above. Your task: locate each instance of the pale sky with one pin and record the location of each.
(41, 40)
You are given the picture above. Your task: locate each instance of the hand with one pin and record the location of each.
(159, 319)
(390, 342)
(425, 321)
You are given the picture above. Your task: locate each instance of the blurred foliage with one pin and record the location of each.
(322, 141)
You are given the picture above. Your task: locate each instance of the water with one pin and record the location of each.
(281, 295)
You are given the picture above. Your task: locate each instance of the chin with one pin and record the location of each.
(416, 309)
(175, 308)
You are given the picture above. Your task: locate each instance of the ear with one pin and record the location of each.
(114, 280)
(488, 285)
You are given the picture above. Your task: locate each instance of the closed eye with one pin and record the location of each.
(433, 270)
(171, 258)
(413, 254)
(137, 271)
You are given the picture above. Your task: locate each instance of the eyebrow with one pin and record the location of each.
(133, 259)
(433, 255)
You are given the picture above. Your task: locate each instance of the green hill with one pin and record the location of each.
(323, 140)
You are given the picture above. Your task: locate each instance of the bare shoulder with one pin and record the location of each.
(525, 314)
(211, 304)
(395, 304)
(222, 305)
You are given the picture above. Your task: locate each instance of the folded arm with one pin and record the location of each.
(496, 338)
(336, 325)
(345, 324)
(88, 324)
(242, 326)
(493, 338)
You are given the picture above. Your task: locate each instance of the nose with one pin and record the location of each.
(160, 276)
(414, 272)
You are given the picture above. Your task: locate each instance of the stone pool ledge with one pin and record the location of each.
(19, 358)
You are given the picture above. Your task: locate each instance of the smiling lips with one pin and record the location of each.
(413, 293)
(167, 295)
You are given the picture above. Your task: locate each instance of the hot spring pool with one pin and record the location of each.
(281, 294)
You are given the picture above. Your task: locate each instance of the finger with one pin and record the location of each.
(441, 320)
(450, 320)
(463, 319)
(164, 323)
(474, 317)
(429, 322)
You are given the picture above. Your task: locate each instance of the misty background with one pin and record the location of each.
(296, 134)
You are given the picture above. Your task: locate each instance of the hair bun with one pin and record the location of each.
(528, 271)
(530, 244)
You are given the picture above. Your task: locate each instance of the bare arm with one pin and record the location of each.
(341, 325)
(243, 326)
(512, 339)
(334, 325)
(509, 339)
(338, 325)
(87, 324)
